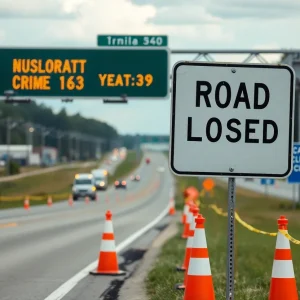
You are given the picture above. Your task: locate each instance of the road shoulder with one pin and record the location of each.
(134, 287)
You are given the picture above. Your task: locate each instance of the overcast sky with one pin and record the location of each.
(190, 24)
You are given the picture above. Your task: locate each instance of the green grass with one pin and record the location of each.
(254, 252)
(57, 182)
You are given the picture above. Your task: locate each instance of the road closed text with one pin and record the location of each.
(234, 129)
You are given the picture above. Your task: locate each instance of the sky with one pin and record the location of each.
(189, 24)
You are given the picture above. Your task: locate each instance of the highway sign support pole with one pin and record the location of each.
(8, 128)
(230, 240)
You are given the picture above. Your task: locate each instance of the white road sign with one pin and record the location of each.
(232, 120)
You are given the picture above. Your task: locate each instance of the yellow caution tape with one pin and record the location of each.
(251, 228)
(218, 210)
(284, 232)
(33, 198)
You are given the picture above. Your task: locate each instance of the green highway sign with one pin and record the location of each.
(132, 40)
(85, 73)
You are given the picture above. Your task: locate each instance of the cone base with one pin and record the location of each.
(111, 273)
(179, 286)
(180, 269)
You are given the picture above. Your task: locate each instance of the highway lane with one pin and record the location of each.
(7, 214)
(41, 253)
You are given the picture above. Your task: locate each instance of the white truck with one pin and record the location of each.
(100, 178)
(84, 186)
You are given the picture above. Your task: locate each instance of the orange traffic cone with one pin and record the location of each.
(172, 209)
(87, 200)
(193, 212)
(199, 282)
(283, 282)
(108, 260)
(184, 214)
(26, 203)
(70, 201)
(49, 201)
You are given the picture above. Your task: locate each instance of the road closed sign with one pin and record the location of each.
(232, 120)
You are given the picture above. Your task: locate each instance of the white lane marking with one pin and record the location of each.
(72, 282)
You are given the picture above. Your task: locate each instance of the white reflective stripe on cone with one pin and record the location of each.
(189, 217)
(189, 243)
(193, 227)
(282, 242)
(108, 227)
(283, 269)
(199, 238)
(108, 246)
(186, 209)
(199, 266)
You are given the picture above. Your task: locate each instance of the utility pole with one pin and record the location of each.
(78, 148)
(59, 136)
(29, 133)
(70, 147)
(9, 127)
(44, 134)
(8, 145)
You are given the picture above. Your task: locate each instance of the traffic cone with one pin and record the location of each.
(184, 214)
(172, 209)
(108, 260)
(193, 212)
(186, 226)
(199, 282)
(87, 200)
(26, 203)
(49, 201)
(283, 282)
(70, 201)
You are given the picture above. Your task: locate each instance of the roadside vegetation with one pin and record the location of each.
(57, 183)
(254, 251)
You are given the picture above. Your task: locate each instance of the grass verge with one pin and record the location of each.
(254, 252)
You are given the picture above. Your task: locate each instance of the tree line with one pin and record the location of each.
(42, 115)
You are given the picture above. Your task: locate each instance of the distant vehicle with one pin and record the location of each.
(120, 184)
(147, 161)
(100, 178)
(84, 186)
(160, 169)
(135, 177)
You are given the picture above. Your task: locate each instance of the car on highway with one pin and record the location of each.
(135, 177)
(84, 186)
(100, 178)
(120, 184)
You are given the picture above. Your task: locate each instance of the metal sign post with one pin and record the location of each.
(230, 241)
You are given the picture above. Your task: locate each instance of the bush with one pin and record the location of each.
(14, 168)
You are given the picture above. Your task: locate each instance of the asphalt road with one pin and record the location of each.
(44, 249)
